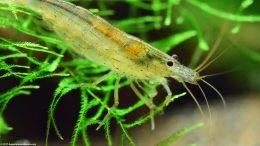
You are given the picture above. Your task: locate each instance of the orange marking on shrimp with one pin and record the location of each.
(135, 50)
(111, 32)
(49, 17)
(59, 24)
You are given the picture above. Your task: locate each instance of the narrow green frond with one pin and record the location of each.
(170, 140)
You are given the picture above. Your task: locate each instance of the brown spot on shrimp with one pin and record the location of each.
(134, 50)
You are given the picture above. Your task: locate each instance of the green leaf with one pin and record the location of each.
(4, 128)
(170, 42)
(171, 139)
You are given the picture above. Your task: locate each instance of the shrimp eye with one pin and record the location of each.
(170, 63)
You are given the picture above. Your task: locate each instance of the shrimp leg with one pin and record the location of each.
(168, 98)
(101, 79)
(148, 102)
(116, 102)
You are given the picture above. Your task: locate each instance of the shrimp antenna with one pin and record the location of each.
(214, 74)
(210, 62)
(220, 95)
(214, 48)
(205, 97)
(194, 98)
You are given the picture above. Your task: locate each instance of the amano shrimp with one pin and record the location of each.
(97, 40)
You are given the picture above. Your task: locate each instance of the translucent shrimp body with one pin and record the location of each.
(97, 40)
(100, 42)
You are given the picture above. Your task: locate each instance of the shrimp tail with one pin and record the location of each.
(35, 5)
(25, 3)
(14, 1)
(7, 1)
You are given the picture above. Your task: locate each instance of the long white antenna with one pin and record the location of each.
(205, 97)
(220, 95)
(195, 100)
